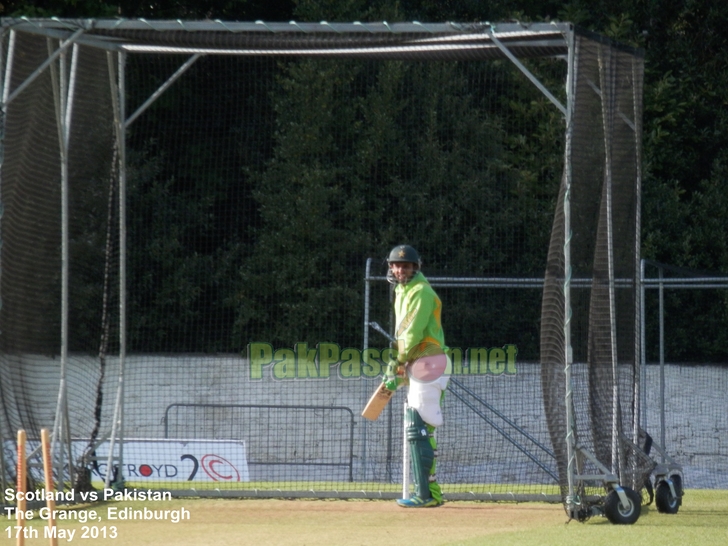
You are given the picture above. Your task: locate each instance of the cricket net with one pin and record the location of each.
(187, 213)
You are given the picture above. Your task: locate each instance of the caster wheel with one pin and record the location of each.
(664, 500)
(623, 515)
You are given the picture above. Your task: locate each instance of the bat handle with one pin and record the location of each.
(375, 325)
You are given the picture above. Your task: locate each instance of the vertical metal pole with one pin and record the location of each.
(571, 501)
(122, 255)
(60, 100)
(606, 70)
(367, 295)
(390, 408)
(65, 116)
(7, 69)
(643, 351)
(118, 100)
(61, 108)
(662, 361)
(637, 75)
(365, 428)
(406, 479)
(6, 73)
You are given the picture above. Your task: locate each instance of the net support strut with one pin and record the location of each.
(38, 71)
(162, 88)
(528, 74)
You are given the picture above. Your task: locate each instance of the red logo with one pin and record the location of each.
(219, 469)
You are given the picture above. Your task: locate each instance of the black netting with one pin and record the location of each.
(254, 186)
(600, 195)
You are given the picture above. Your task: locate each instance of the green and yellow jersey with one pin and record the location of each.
(418, 309)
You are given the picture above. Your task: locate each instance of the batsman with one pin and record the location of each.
(419, 333)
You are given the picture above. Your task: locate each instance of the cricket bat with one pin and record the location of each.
(377, 403)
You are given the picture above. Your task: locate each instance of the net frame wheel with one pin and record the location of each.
(665, 501)
(619, 514)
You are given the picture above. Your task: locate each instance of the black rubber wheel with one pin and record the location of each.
(677, 484)
(623, 515)
(665, 501)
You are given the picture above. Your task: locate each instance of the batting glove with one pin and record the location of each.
(393, 375)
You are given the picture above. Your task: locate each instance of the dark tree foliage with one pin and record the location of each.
(350, 178)
(330, 174)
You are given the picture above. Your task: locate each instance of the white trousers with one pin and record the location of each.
(425, 398)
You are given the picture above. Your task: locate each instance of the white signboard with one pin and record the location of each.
(178, 460)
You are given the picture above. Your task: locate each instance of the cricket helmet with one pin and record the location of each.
(400, 254)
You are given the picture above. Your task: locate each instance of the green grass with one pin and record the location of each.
(702, 520)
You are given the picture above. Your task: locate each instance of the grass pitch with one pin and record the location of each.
(702, 520)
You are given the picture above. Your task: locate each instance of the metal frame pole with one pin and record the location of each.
(48, 62)
(643, 350)
(571, 501)
(365, 427)
(122, 255)
(406, 477)
(639, 264)
(606, 70)
(662, 359)
(65, 116)
(5, 73)
(117, 428)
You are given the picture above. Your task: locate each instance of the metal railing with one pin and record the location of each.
(334, 445)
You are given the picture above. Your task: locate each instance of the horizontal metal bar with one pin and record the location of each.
(515, 282)
(596, 477)
(491, 282)
(217, 25)
(722, 281)
(102, 42)
(691, 286)
(257, 406)
(262, 463)
(310, 52)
